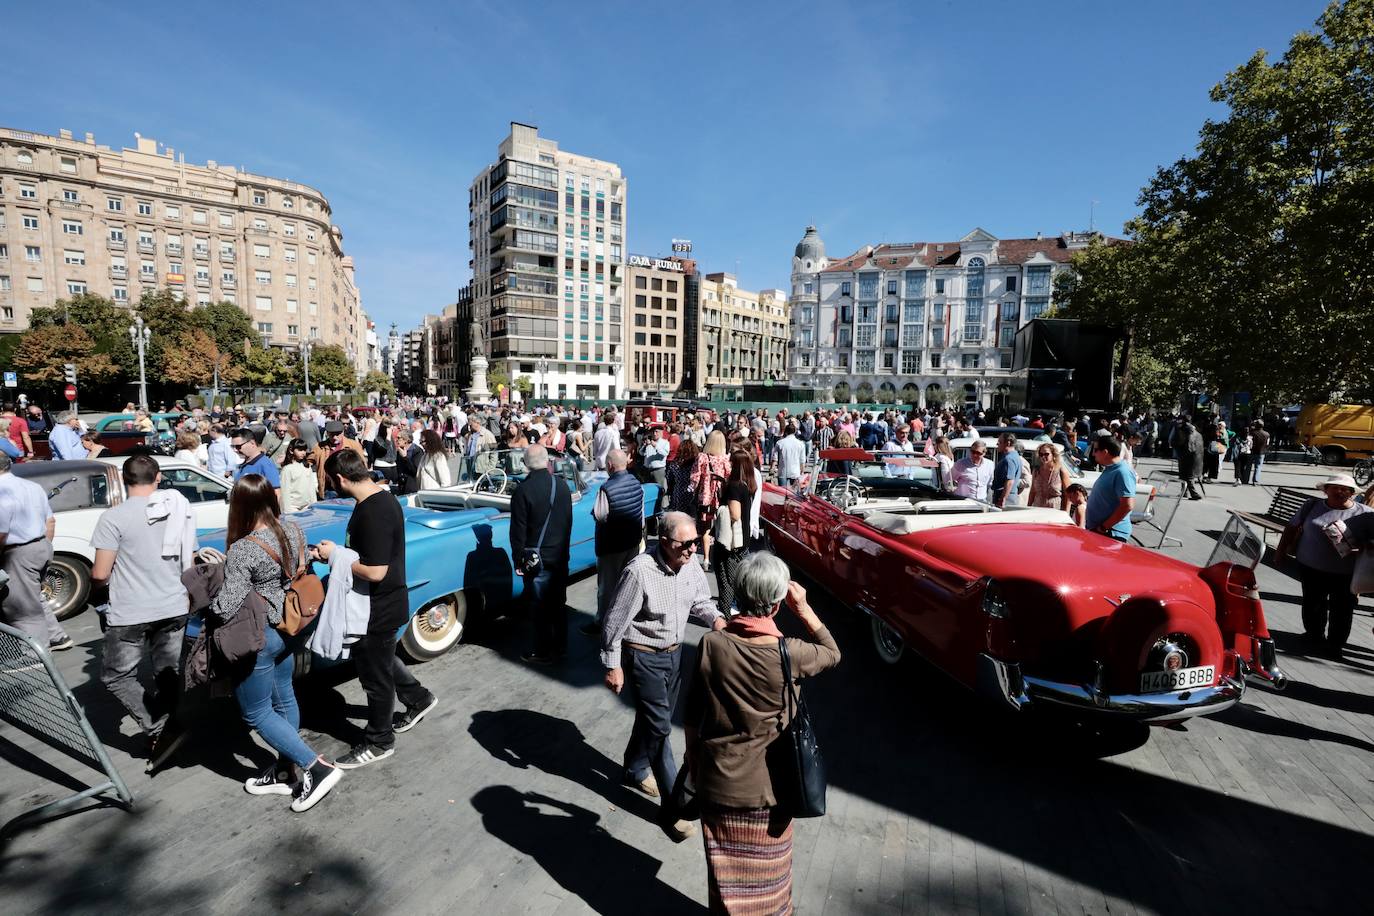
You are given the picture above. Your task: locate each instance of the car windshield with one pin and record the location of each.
(897, 472)
(510, 462)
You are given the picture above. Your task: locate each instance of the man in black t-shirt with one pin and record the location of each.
(376, 531)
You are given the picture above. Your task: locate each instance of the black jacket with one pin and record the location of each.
(528, 509)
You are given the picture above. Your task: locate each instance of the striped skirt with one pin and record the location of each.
(748, 860)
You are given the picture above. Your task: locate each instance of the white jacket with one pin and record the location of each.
(179, 537)
(346, 610)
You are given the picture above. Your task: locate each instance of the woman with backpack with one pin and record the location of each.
(260, 549)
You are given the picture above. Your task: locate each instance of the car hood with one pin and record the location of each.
(1083, 561)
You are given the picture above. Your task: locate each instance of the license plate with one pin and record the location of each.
(1182, 679)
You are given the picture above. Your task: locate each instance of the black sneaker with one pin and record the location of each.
(271, 782)
(62, 643)
(405, 721)
(362, 755)
(316, 781)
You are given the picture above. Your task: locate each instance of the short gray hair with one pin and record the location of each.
(674, 522)
(536, 457)
(760, 583)
(66, 416)
(616, 460)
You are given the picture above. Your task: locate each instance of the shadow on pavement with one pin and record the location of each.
(524, 738)
(569, 843)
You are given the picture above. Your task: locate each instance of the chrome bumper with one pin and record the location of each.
(1004, 681)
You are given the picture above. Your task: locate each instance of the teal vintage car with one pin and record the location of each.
(458, 556)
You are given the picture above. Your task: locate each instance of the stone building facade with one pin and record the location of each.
(80, 217)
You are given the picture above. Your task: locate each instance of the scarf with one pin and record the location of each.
(746, 626)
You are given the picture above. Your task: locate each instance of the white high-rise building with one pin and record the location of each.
(919, 323)
(548, 242)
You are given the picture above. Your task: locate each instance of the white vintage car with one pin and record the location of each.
(79, 491)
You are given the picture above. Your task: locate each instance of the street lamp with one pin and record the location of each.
(543, 367)
(306, 347)
(139, 335)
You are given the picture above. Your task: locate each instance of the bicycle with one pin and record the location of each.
(1363, 472)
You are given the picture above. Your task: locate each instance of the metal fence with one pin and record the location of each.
(35, 698)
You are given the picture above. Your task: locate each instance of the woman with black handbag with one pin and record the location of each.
(751, 759)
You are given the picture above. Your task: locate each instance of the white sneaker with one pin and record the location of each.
(316, 781)
(269, 782)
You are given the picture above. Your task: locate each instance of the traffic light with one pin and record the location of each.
(69, 371)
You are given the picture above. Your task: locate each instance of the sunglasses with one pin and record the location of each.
(681, 545)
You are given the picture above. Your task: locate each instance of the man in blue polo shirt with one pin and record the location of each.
(248, 443)
(1113, 496)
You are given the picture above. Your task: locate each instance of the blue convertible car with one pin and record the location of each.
(458, 559)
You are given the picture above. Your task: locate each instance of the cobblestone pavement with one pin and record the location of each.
(506, 799)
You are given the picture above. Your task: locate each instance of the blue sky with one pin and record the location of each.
(736, 124)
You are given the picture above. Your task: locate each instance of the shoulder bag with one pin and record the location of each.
(531, 558)
(304, 590)
(794, 758)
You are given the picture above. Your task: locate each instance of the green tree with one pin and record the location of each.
(379, 382)
(192, 358)
(1253, 262)
(329, 366)
(261, 367)
(525, 386)
(227, 324)
(496, 377)
(44, 351)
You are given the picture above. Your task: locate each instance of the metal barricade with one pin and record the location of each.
(1238, 544)
(35, 698)
(1169, 492)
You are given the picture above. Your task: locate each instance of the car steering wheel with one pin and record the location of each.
(486, 483)
(843, 492)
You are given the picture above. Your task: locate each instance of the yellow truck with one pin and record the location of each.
(1340, 432)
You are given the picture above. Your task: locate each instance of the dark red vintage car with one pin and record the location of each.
(1019, 603)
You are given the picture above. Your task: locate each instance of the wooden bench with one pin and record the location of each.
(1287, 500)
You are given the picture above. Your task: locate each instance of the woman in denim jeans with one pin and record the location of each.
(266, 696)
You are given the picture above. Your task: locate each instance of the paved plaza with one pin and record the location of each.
(507, 798)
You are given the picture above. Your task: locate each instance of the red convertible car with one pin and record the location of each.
(1019, 603)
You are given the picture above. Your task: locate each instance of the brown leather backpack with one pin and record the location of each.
(304, 590)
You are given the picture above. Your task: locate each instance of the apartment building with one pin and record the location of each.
(922, 323)
(79, 217)
(547, 234)
(658, 302)
(739, 336)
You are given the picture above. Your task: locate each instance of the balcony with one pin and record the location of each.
(119, 271)
(146, 247)
(227, 283)
(203, 282)
(258, 230)
(173, 249)
(201, 254)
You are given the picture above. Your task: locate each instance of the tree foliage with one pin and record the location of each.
(42, 354)
(191, 360)
(379, 382)
(1252, 267)
(329, 366)
(261, 366)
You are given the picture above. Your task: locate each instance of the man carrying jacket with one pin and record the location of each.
(619, 513)
(541, 526)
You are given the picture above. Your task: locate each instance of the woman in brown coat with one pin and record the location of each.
(734, 711)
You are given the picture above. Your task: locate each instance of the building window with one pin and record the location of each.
(226, 220)
(262, 251)
(892, 287)
(940, 286)
(117, 235)
(25, 157)
(1036, 306)
(936, 360)
(35, 284)
(291, 281)
(199, 217)
(890, 312)
(1010, 311)
(288, 204)
(68, 165)
(263, 277)
(29, 222)
(1038, 280)
(916, 283)
(76, 288)
(292, 306)
(173, 212)
(32, 253)
(970, 360)
(863, 362)
(70, 196)
(147, 268)
(1011, 284)
(911, 362)
(846, 288)
(889, 360)
(260, 224)
(868, 286)
(145, 208)
(71, 256)
(288, 229)
(259, 198)
(114, 204)
(121, 294)
(263, 303)
(71, 227)
(28, 192)
(310, 233)
(1003, 360)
